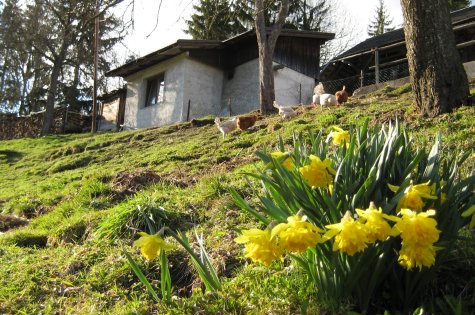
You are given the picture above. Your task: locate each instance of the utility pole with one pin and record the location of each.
(96, 53)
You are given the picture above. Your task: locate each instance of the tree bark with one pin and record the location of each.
(266, 45)
(48, 119)
(437, 75)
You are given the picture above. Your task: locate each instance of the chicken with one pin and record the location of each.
(317, 91)
(246, 122)
(226, 126)
(325, 100)
(285, 111)
(341, 96)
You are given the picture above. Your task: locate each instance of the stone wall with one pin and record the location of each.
(12, 127)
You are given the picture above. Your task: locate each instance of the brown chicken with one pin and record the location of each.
(341, 96)
(246, 122)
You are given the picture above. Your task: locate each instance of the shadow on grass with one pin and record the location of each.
(10, 156)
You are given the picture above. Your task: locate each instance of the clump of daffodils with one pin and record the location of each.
(418, 232)
(151, 245)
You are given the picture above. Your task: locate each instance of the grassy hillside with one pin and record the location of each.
(70, 204)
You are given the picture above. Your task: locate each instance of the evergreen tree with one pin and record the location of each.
(381, 23)
(216, 19)
(308, 15)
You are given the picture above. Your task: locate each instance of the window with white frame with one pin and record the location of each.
(155, 90)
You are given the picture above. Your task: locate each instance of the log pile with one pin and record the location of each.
(13, 127)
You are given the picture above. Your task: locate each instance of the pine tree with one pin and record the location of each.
(215, 19)
(382, 21)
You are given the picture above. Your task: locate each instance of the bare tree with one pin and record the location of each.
(266, 42)
(437, 76)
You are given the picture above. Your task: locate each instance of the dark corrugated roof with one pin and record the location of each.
(183, 45)
(397, 35)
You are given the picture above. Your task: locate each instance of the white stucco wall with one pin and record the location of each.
(289, 84)
(167, 112)
(208, 90)
(242, 91)
(203, 86)
(185, 80)
(470, 69)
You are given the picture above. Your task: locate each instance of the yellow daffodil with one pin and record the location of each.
(416, 256)
(283, 158)
(378, 229)
(470, 212)
(260, 246)
(412, 198)
(318, 173)
(296, 235)
(151, 245)
(417, 229)
(350, 235)
(339, 136)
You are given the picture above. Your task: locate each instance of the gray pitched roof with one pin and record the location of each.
(458, 17)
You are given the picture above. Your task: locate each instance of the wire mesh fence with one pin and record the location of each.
(369, 78)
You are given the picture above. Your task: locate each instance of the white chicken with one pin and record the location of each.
(226, 126)
(327, 100)
(285, 111)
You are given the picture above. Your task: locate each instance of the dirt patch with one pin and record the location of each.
(8, 222)
(129, 183)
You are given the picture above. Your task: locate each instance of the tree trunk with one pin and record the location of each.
(438, 78)
(48, 119)
(266, 44)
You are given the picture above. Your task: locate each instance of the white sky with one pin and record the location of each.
(173, 13)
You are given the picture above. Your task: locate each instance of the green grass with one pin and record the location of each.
(68, 259)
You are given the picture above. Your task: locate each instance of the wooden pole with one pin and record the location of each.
(96, 53)
(188, 111)
(376, 64)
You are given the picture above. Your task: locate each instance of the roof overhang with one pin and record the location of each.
(185, 45)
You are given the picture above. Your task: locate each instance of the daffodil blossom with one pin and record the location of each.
(350, 235)
(415, 256)
(340, 136)
(318, 173)
(296, 235)
(413, 195)
(283, 158)
(378, 229)
(416, 229)
(260, 246)
(151, 245)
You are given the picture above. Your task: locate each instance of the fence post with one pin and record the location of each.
(188, 111)
(300, 93)
(229, 107)
(361, 78)
(376, 64)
